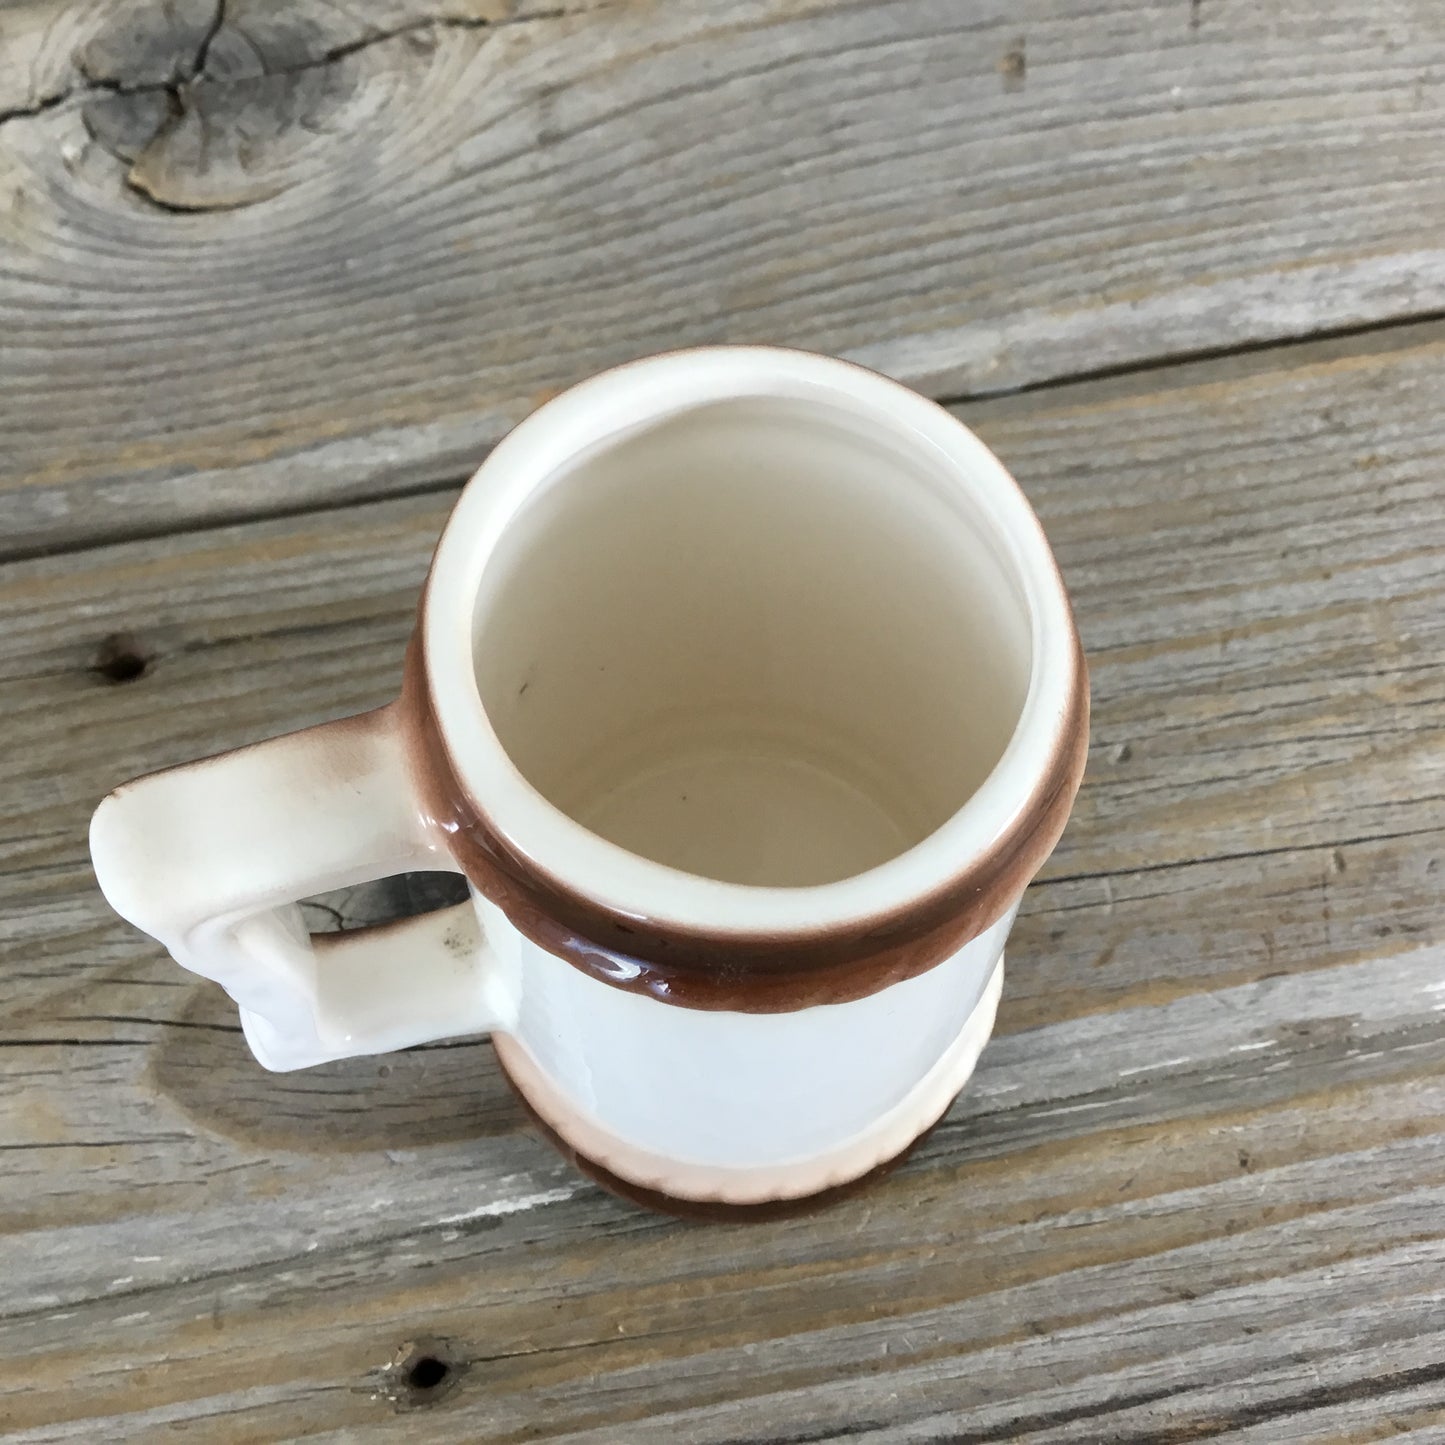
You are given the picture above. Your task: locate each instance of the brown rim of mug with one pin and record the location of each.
(762, 972)
(755, 972)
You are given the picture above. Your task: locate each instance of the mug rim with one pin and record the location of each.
(1039, 768)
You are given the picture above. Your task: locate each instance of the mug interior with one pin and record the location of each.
(765, 641)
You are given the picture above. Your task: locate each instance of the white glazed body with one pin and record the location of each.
(739, 1107)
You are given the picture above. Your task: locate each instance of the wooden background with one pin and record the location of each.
(274, 276)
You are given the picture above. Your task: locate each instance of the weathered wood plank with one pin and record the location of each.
(1196, 1186)
(288, 279)
(1143, 1222)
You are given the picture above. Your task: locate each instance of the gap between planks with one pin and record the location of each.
(1395, 333)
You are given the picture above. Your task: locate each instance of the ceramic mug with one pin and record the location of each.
(746, 695)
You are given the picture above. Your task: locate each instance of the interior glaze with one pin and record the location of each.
(754, 641)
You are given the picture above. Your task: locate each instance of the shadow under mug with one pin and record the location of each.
(746, 695)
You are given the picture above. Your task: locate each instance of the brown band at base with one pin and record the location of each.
(706, 1211)
(692, 1188)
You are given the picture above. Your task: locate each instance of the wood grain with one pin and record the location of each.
(1195, 1190)
(1217, 1239)
(255, 258)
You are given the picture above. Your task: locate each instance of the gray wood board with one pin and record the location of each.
(1230, 1236)
(256, 258)
(1195, 1189)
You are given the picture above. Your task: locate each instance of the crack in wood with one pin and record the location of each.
(1165, 362)
(1170, 368)
(1215, 1423)
(139, 120)
(95, 84)
(1283, 850)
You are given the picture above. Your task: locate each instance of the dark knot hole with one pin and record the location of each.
(427, 1373)
(422, 1373)
(120, 658)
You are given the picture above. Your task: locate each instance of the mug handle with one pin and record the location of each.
(211, 857)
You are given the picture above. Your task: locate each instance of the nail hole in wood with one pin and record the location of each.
(427, 1373)
(120, 658)
(422, 1372)
(1014, 66)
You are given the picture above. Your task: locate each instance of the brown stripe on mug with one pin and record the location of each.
(757, 972)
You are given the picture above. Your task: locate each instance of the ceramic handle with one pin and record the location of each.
(210, 859)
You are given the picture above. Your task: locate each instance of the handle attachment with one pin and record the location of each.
(211, 858)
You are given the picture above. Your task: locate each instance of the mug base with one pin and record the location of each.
(697, 1191)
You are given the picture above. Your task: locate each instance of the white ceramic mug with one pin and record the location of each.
(746, 694)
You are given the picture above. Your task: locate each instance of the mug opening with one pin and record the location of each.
(474, 661)
(764, 641)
